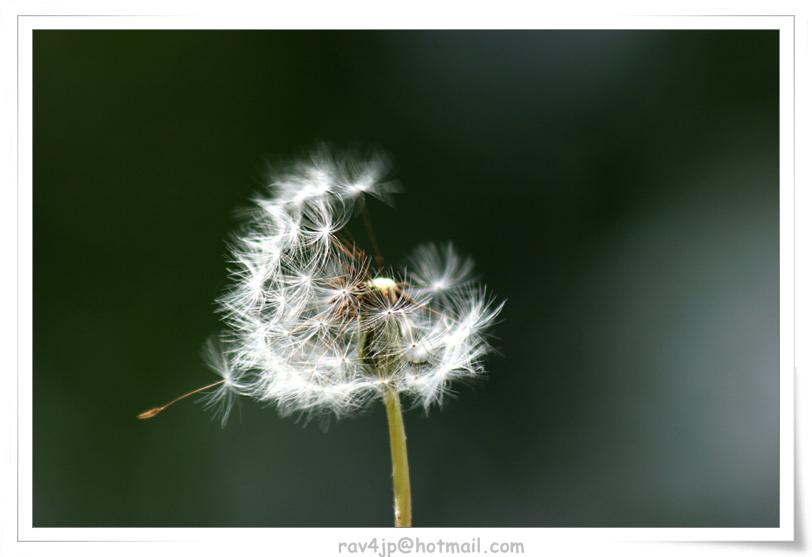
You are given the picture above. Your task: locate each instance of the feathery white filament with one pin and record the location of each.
(310, 328)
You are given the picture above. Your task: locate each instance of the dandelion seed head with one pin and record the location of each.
(311, 328)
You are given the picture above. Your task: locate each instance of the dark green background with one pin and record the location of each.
(620, 189)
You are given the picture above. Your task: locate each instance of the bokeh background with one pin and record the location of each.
(619, 188)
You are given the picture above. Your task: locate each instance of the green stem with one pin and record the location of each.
(400, 460)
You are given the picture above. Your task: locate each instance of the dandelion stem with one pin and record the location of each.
(400, 460)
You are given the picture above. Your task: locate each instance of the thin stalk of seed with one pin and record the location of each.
(152, 412)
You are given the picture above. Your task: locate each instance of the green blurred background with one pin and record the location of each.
(620, 189)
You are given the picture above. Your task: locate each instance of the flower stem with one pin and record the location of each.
(400, 460)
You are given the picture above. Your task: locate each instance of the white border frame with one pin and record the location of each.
(298, 540)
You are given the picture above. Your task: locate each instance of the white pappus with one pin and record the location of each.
(313, 323)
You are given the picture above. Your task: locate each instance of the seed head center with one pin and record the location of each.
(383, 284)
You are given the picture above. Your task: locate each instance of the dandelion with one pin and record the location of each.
(314, 324)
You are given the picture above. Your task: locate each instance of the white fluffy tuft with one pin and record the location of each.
(310, 326)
